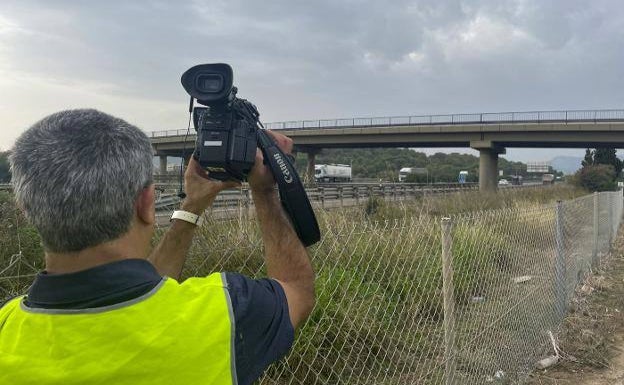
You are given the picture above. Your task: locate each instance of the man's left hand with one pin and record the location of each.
(200, 190)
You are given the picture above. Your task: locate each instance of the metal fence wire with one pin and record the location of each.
(393, 308)
(425, 300)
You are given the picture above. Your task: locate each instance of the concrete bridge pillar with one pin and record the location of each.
(310, 168)
(163, 164)
(488, 164)
(488, 168)
(312, 152)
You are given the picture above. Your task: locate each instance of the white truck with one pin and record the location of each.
(405, 171)
(332, 173)
(548, 179)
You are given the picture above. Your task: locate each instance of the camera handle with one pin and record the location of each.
(291, 191)
(181, 193)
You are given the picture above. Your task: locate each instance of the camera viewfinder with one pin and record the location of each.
(209, 83)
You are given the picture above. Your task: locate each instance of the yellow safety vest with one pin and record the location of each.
(175, 334)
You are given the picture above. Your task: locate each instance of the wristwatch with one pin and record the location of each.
(188, 217)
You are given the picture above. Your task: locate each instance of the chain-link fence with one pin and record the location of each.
(423, 300)
(393, 308)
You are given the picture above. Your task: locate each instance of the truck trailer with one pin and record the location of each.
(405, 171)
(332, 173)
(548, 179)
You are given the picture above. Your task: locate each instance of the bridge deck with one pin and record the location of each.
(571, 129)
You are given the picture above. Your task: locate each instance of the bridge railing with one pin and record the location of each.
(564, 116)
(156, 134)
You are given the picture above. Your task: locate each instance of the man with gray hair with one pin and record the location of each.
(106, 309)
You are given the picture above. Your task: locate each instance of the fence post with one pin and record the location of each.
(449, 301)
(560, 262)
(241, 205)
(356, 191)
(596, 228)
(340, 195)
(322, 195)
(248, 202)
(620, 200)
(611, 217)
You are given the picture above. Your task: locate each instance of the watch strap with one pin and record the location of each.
(187, 217)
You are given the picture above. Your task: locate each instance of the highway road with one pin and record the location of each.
(238, 203)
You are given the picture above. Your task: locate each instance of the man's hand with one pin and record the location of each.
(169, 255)
(260, 178)
(201, 191)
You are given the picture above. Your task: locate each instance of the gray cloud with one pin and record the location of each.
(322, 59)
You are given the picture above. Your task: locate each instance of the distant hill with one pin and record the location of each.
(567, 164)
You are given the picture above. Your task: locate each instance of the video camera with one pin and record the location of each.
(228, 133)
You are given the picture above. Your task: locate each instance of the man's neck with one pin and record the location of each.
(125, 247)
(63, 263)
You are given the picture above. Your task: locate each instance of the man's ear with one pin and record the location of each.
(146, 205)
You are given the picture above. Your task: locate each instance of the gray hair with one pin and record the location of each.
(77, 175)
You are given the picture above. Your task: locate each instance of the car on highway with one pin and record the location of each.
(503, 182)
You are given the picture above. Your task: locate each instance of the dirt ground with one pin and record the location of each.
(592, 339)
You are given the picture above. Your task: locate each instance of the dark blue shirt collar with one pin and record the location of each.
(102, 285)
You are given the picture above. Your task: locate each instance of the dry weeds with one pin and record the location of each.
(592, 337)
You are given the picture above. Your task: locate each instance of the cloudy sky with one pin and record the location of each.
(311, 59)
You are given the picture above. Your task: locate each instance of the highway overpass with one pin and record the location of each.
(489, 133)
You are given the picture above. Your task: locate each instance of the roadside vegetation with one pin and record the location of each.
(600, 172)
(379, 282)
(5, 172)
(17, 270)
(593, 332)
(379, 305)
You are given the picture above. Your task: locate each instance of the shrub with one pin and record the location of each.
(373, 205)
(5, 170)
(17, 235)
(599, 177)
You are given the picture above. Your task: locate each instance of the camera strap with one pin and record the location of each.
(292, 194)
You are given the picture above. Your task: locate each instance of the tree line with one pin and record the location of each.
(601, 170)
(5, 172)
(385, 163)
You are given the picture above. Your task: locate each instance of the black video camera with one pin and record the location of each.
(228, 133)
(226, 128)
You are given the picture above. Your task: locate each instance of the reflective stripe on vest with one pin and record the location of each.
(175, 334)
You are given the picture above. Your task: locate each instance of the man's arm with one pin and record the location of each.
(286, 258)
(170, 254)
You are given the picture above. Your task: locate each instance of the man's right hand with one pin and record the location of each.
(286, 258)
(261, 179)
